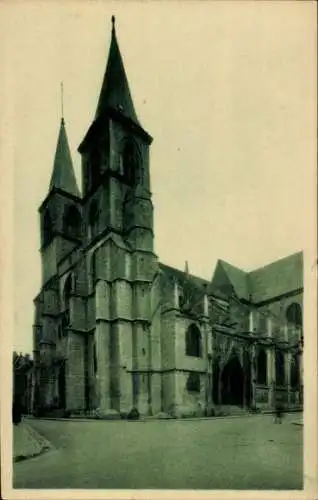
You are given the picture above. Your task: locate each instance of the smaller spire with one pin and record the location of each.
(113, 23)
(63, 176)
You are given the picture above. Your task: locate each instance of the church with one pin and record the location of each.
(114, 328)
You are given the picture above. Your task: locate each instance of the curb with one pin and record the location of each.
(41, 440)
(20, 458)
(146, 419)
(152, 419)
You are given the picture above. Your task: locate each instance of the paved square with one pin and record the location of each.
(232, 453)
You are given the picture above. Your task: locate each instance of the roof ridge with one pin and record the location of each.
(232, 265)
(277, 261)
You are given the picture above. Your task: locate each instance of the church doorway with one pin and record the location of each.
(232, 382)
(62, 386)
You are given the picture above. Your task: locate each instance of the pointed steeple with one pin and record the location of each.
(115, 91)
(63, 176)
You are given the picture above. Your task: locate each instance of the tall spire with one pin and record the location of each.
(115, 91)
(63, 176)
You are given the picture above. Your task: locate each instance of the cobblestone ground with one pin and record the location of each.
(231, 453)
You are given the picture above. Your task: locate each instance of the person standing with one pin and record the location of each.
(278, 412)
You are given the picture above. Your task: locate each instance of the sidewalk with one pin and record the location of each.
(27, 443)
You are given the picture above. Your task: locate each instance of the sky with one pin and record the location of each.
(226, 89)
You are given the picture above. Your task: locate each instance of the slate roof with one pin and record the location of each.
(193, 288)
(181, 276)
(194, 284)
(278, 278)
(115, 91)
(63, 176)
(273, 280)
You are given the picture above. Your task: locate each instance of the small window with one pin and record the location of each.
(181, 297)
(193, 382)
(72, 222)
(93, 221)
(67, 292)
(143, 351)
(294, 315)
(130, 163)
(95, 162)
(193, 341)
(47, 228)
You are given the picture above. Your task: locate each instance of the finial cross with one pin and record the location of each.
(62, 101)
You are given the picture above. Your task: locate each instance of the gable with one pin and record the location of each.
(229, 279)
(220, 281)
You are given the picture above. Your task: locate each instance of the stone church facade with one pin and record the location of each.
(114, 328)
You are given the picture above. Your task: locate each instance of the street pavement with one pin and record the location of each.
(249, 452)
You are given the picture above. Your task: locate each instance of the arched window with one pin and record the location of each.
(294, 372)
(66, 299)
(294, 314)
(193, 382)
(294, 321)
(47, 228)
(193, 341)
(181, 297)
(131, 165)
(262, 367)
(67, 292)
(280, 367)
(95, 163)
(93, 219)
(72, 222)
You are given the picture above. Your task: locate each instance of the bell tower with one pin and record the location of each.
(115, 158)
(118, 227)
(60, 212)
